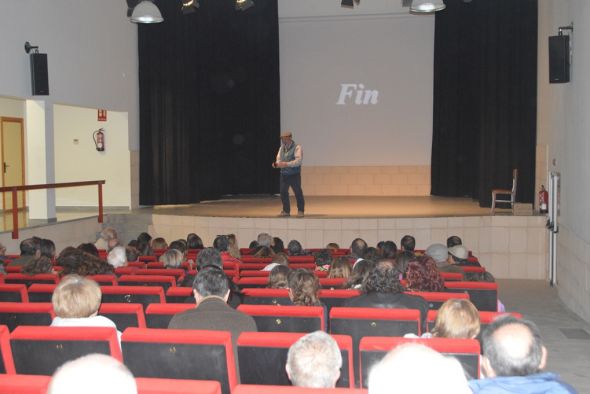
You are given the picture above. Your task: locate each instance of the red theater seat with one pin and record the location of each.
(6, 361)
(144, 295)
(147, 258)
(178, 295)
(126, 270)
(163, 281)
(247, 273)
(177, 273)
(180, 354)
(159, 315)
(332, 283)
(484, 295)
(41, 350)
(436, 299)
(124, 315)
(13, 269)
(252, 259)
(260, 389)
(286, 318)
(24, 384)
(262, 358)
(302, 260)
(104, 280)
(40, 292)
(266, 296)
(135, 264)
(13, 293)
(473, 269)
(451, 276)
(176, 386)
(252, 282)
(337, 297)
(14, 314)
(252, 266)
(30, 279)
(466, 351)
(307, 266)
(373, 322)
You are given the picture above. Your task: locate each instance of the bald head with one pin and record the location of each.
(512, 347)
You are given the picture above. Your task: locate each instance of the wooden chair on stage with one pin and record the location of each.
(505, 192)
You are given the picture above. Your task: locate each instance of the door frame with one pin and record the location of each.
(22, 145)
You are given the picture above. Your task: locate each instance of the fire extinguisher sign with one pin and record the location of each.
(102, 115)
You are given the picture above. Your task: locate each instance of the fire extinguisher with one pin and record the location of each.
(98, 137)
(543, 200)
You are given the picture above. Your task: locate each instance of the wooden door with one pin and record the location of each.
(13, 159)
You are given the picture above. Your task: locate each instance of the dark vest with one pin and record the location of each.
(289, 155)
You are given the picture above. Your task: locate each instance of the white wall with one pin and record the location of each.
(564, 121)
(76, 158)
(12, 107)
(377, 44)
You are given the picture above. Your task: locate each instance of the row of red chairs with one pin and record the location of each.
(203, 355)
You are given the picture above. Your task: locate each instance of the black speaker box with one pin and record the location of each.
(39, 74)
(559, 59)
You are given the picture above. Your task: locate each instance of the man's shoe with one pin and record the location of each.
(300, 214)
(284, 214)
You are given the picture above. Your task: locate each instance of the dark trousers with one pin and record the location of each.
(293, 181)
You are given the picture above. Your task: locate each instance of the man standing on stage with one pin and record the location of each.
(289, 160)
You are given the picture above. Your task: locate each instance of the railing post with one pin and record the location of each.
(100, 203)
(14, 214)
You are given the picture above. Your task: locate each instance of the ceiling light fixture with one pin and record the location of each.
(243, 5)
(146, 12)
(189, 6)
(427, 6)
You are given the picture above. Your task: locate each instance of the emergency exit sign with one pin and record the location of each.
(102, 115)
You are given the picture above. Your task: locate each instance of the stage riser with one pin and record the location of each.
(511, 247)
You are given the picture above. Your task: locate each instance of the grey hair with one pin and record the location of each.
(117, 257)
(172, 258)
(264, 239)
(314, 361)
(108, 233)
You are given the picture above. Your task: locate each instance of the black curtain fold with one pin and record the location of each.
(209, 102)
(485, 94)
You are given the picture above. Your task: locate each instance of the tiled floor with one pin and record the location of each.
(538, 302)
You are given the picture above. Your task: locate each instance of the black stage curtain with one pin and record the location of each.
(209, 102)
(485, 98)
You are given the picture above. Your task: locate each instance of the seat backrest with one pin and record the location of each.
(268, 389)
(308, 266)
(466, 351)
(144, 295)
(6, 361)
(435, 299)
(252, 266)
(253, 273)
(332, 283)
(252, 282)
(104, 280)
(180, 354)
(124, 315)
(176, 272)
(24, 384)
(41, 350)
(14, 314)
(147, 258)
(262, 358)
(176, 386)
(13, 293)
(159, 315)
(451, 276)
(39, 292)
(484, 295)
(163, 281)
(178, 295)
(265, 296)
(30, 279)
(366, 322)
(337, 297)
(254, 259)
(286, 318)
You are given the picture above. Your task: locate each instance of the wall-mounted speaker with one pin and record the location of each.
(39, 74)
(559, 59)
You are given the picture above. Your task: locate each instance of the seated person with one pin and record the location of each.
(453, 240)
(294, 248)
(279, 277)
(30, 249)
(340, 268)
(159, 244)
(359, 274)
(117, 257)
(422, 275)
(304, 289)
(172, 258)
(440, 255)
(76, 301)
(456, 318)
(41, 265)
(460, 255)
(107, 239)
(314, 361)
(278, 259)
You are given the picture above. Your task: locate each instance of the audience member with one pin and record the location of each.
(372, 254)
(233, 249)
(117, 257)
(415, 368)
(513, 359)
(408, 243)
(440, 255)
(403, 259)
(459, 256)
(75, 261)
(323, 259)
(278, 259)
(278, 245)
(40, 265)
(314, 361)
(76, 301)
(279, 277)
(264, 248)
(143, 244)
(132, 253)
(193, 241)
(172, 258)
(340, 268)
(422, 275)
(93, 374)
(453, 240)
(457, 318)
(294, 248)
(30, 249)
(253, 245)
(107, 239)
(332, 246)
(47, 248)
(221, 243)
(383, 290)
(358, 248)
(159, 243)
(211, 258)
(388, 250)
(359, 274)
(89, 248)
(304, 288)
